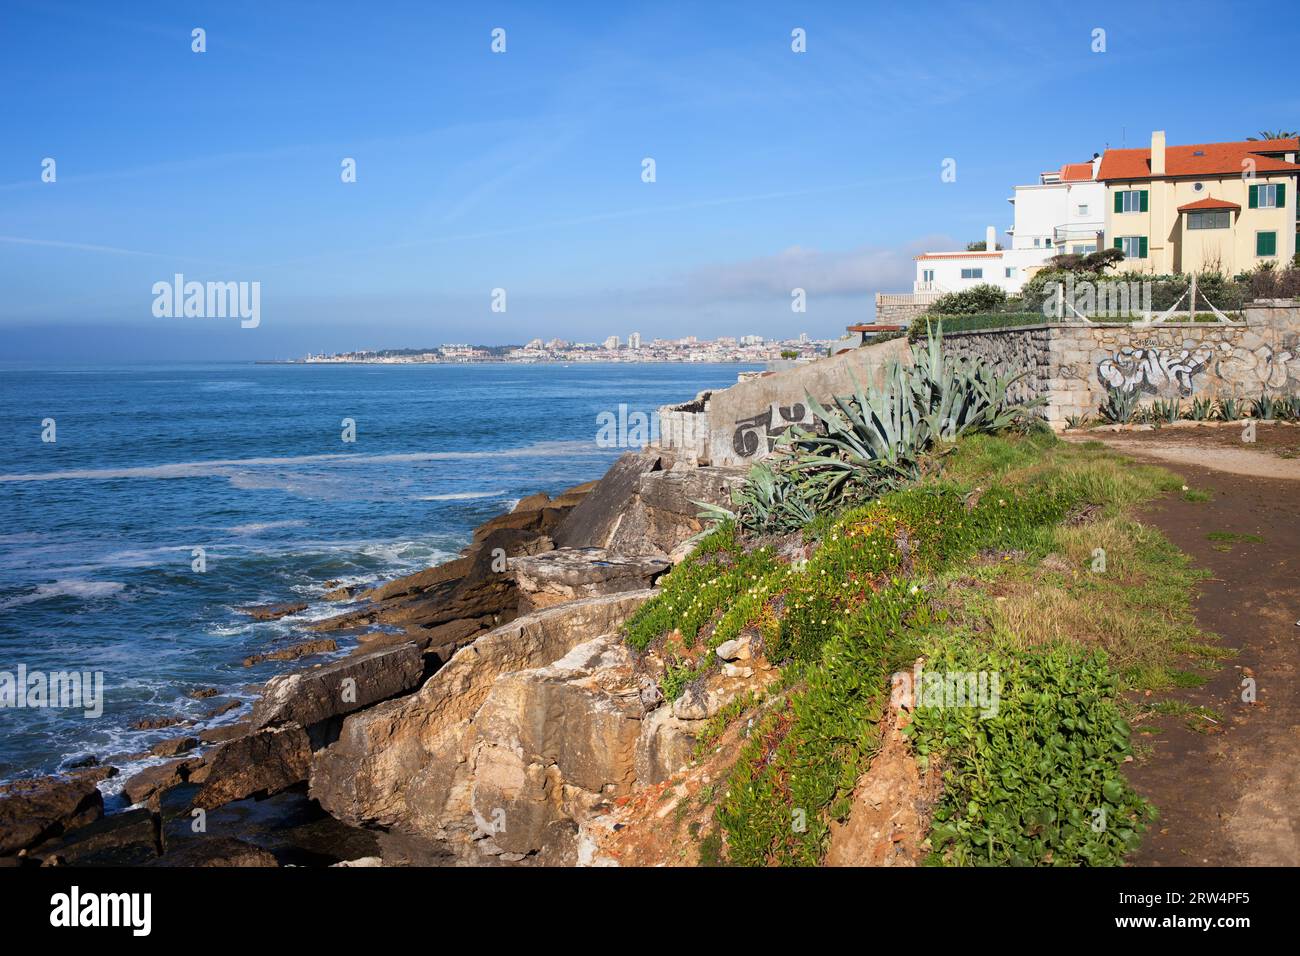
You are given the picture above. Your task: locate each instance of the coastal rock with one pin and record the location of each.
(305, 649)
(225, 708)
(174, 746)
(219, 735)
(402, 762)
(264, 762)
(664, 512)
(593, 523)
(665, 746)
(309, 696)
(736, 649)
(33, 810)
(152, 781)
(158, 723)
(219, 851)
(567, 574)
(543, 734)
(203, 693)
(123, 839)
(273, 612)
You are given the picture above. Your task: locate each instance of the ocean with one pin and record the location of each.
(99, 567)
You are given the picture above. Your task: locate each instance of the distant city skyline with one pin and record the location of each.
(680, 168)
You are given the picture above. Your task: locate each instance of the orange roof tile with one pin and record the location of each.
(1076, 172)
(1208, 203)
(1205, 159)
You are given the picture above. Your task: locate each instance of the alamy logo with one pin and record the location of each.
(22, 689)
(981, 690)
(208, 300)
(74, 909)
(1097, 300)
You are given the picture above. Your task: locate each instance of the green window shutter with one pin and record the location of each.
(1281, 195)
(1143, 194)
(1254, 197)
(1266, 243)
(1119, 243)
(1142, 247)
(1119, 200)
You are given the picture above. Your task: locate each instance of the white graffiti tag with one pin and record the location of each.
(1151, 369)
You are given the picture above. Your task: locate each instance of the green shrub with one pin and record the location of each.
(980, 298)
(1041, 781)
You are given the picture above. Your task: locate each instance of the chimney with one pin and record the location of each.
(990, 239)
(1158, 153)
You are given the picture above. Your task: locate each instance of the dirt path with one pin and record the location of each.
(1229, 792)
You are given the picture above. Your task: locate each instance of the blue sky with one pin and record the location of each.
(522, 170)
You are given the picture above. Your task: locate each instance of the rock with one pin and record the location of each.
(401, 762)
(695, 704)
(666, 745)
(152, 781)
(664, 513)
(567, 574)
(225, 708)
(203, 693)
(264, 762)
(158, 723)
(365, 861)
(573, 496)
(174, 747)
(544, 732)
(35, 810)
(734, 670)
(305, 649)
(309, 696)
(593, 523)
(95, 775)
(122, 839)
(736, 649)
(273, 612)
(219, 735)
(532, 503)
(219, 851)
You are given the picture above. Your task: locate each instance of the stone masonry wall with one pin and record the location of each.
(1073, 365)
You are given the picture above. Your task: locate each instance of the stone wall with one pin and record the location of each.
(899, 313)
(1073, 365)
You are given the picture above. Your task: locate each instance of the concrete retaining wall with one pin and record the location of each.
(741, 424)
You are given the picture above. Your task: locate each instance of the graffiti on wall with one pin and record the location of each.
(763, 429)
(1265, 367)
(1152, 369)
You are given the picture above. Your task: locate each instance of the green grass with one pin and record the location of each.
(990, 564)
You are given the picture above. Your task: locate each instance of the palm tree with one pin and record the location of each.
(1272, 134)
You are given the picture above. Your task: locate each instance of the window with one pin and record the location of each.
(1010, 272)
(1266, 243)
(927, 275)
(1131, 200)
(1210, 219)
(1036, 242)
(1268, 196)
(1083, 209)
(1084, 250)
(972, 273)
(1048, 243)
(1133, 247)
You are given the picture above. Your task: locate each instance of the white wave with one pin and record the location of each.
(256, 527)
(460, 496)
(83, 590)
(226, 468)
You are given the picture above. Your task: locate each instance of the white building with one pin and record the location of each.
(1063, 212)
(611, 342)
(634, 340)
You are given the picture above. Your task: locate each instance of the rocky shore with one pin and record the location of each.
(489, 712)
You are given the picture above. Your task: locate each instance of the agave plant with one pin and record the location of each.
(1165, 412)
(1202, 409)
(768, 501)
(875, 437)
(1120, 405)
(1265, 407)
(1291, 405)
(1229, 409)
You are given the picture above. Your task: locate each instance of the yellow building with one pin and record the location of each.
(1214, 207)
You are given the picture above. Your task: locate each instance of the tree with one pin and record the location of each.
(981, 246)
(1272, 134)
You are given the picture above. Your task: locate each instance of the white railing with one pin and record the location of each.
(906, 298)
